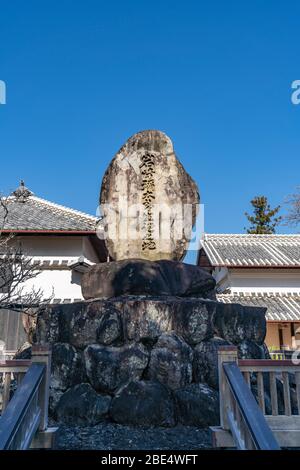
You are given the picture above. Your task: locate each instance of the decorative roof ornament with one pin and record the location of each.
(22, 193)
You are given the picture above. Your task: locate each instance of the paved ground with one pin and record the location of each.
(109, 436)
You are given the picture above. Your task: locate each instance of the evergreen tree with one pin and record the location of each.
(263, 220)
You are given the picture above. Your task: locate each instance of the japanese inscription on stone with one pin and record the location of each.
(145, 198)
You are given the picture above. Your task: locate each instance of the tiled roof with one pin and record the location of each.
(252, 250)
(26, 212)
(280, 307)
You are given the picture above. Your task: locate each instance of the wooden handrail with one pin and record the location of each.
(17, 411)
(268, 363)
(24, 420)
(257, 375)
(15, 363)
(257, 426)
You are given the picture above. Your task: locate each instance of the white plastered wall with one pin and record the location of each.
(58, 282)
(258, 280)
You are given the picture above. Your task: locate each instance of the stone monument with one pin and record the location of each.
(149, 204)
(141, 349)
(147, 182)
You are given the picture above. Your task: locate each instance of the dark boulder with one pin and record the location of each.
(266, 353)
(131, 318)
(81, 405)
(197, 405)
(108, 368)
(47, 325)
(143, 403)
(55, 395)
(147, 318)
(80, 323)
(171, 361)
(237, 323)
(109, 330)
(67, 367)
(205, 364)
(143, 277)
(93, 322)
(248, 349)
(193, 319)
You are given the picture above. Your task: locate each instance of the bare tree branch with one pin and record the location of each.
(293, 217)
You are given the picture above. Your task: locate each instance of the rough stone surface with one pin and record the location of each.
(171, 361)
(148, 342)
(93, 322)
(143, 403)
(205, 363)
(142, 277)
(108, 368)
(47, 325)
(266, 353)
(67, 366)
(80, 323)
(193, 320)
(67, 369)
(130, 318)
(237, 323)
(55, 395)
(146, 173)
(109, 330)
(147, 318)
(82, 405)
(249, 350)
(112, 436)
(197, 405)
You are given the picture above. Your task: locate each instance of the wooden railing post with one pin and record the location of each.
(225, 354)
(41, 354)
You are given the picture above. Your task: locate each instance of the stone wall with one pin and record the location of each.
(143, 360)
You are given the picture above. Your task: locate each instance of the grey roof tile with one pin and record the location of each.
(252, 250)
(26, 212)
(280, 307)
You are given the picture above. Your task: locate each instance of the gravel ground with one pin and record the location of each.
(109, 436)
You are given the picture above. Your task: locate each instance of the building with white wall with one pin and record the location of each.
(259, 270)
(60, 241)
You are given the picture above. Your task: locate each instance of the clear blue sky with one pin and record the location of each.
(83, 76)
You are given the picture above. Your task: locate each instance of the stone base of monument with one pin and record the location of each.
(144, 277)
(143, 360)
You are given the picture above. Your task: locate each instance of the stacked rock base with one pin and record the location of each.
(148, 361)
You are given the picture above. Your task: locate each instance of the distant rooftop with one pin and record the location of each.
(22, 211)
(247, 250)
(281, 306)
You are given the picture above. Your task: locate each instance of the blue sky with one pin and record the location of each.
(83, 76)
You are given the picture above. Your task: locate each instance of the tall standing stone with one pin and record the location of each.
(148, 200)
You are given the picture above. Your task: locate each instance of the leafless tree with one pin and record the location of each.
(15, 270)
(293, 216)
